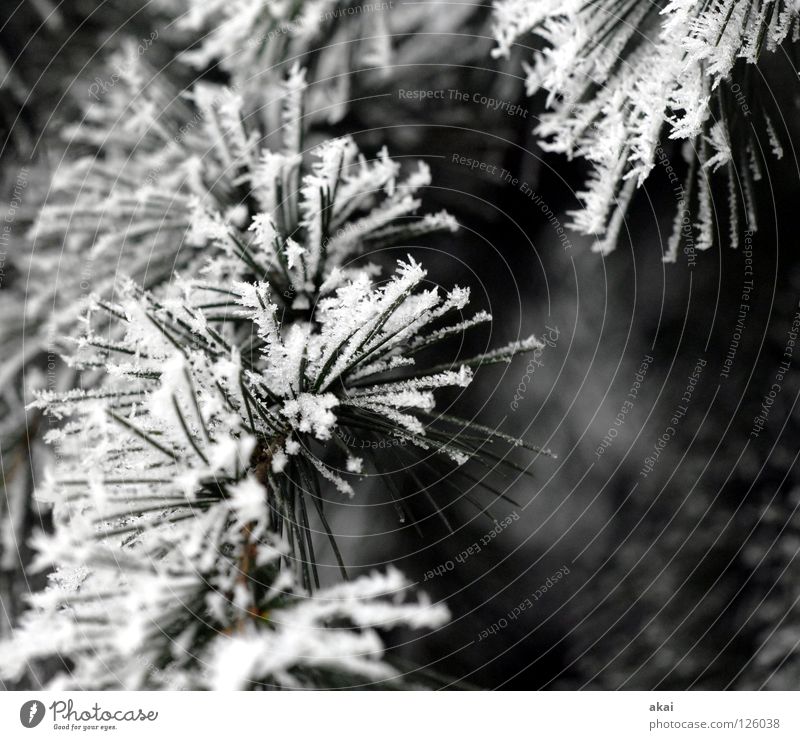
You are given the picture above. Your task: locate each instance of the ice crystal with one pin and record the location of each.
(175, 498)
(218, 379)
(620, 75)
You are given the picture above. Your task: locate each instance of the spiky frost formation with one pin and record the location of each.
(200, 447)
(203, 358)
(182, 522)
(142, 619)
(167, 181)
(620, 74)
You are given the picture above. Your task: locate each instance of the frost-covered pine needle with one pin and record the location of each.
(250, 333)
(622, 74)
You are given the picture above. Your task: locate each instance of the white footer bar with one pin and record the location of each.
(401, 715)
